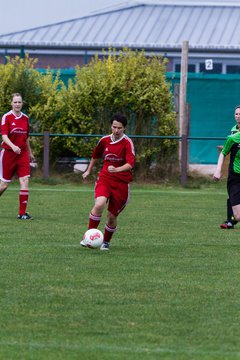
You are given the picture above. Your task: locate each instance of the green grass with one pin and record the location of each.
(168, 289)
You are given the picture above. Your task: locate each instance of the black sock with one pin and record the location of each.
(230, 216)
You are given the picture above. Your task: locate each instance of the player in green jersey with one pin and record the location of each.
(232, 146)
(230, 222)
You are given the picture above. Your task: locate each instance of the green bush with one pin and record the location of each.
(127, 81)
(19, 75)
(41, 94)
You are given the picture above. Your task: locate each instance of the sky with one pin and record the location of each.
(17, 15)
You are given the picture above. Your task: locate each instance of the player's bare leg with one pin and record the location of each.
(236, 212)
(3, 187)
(99, 205)
(23, 199)
(96, 212)
(111, 219)
(24, 183)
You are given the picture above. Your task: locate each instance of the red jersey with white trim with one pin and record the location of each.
(16, 128)
(116, 153)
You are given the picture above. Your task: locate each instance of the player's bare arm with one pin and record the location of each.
(7, 141)
(218, 173)
(125, 167)
(89, 169)
(30, 150)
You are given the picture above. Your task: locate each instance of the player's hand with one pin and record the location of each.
(112, 169)
(217, 175)
(85, 174)
(16, 149)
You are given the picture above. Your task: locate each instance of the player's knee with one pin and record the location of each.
(98, 208)
(100, 204)
(24, 181)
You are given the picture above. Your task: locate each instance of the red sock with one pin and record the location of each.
(23, 200)
(108, 232)
(94, 221)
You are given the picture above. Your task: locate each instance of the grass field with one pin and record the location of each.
(168, 289)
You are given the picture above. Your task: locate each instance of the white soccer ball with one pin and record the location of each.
(93, 238)
(33, 164)
(80, 168)
(81, 165)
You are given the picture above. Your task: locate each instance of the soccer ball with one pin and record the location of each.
(81, 165)
(93, 238)
(33, 164)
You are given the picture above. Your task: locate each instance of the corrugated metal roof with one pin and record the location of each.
(141, 25)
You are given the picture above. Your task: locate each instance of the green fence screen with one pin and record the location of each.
(212, 99)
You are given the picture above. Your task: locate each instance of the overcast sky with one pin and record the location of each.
(17, 15)
(24, 14)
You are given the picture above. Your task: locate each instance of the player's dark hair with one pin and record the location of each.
(237, 107)
(120, 118)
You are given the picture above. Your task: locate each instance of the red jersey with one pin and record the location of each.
(116, 153)
(16, 128)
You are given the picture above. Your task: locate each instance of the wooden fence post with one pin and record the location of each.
(183, 118)
(184, 149)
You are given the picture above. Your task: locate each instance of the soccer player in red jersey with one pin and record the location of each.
(16, 153)
(112, 185)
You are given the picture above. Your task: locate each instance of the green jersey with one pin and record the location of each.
(232, 146)
(234, 129)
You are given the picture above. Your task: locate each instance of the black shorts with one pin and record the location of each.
(233, 187)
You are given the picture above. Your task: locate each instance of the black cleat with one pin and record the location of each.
(25, 216)
(105, 246)
(227, 225)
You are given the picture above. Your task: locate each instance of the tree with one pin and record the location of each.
(129, 82)
(49, 110)
(18, 75)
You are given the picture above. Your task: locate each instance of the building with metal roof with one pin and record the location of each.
(211, 28)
